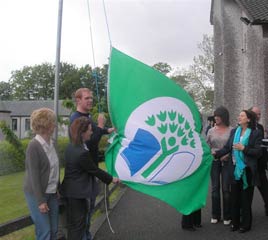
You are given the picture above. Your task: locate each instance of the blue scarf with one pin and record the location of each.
(239, 156)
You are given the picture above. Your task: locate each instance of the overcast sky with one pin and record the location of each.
(149, 30)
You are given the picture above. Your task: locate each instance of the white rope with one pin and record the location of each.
(91, 37)
(106, 20)
(95, 74)
(106, 209)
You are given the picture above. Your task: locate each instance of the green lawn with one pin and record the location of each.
(13, 204)
(12, 201)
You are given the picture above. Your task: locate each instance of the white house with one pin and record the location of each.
(17, 115)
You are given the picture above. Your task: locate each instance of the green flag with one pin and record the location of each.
(157, 148)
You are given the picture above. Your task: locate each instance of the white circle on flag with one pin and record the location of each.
(152, 151)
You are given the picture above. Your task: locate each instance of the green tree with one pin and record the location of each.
(5, 91)
(33, 82)
(162, 67)
(180, 79)
(69, 80)
(11, 137)
(200, 75)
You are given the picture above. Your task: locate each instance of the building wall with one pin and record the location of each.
(22, 132)
(232, 63)
(265, 64)
(239, 70)
(218, 54)
(254, 66)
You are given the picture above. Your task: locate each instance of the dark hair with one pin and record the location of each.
(223, 113)
(79, 126)
(252, 118)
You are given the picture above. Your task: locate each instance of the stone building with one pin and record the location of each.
(17, 115)
(241, 55)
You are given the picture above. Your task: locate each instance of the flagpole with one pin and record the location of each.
(57, 69)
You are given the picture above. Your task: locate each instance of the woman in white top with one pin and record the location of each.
(220, 180)
(42, 175)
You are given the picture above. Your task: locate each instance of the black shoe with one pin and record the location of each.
(243, 230)
(191, 229)
(197, 225)
(266, 212)
(233, 228)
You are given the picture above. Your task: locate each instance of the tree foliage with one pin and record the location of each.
(162, 67)
(5, 91)
(33, 82)
(37, 82)
(200, 75)
(11, 137)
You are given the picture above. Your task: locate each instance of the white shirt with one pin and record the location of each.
(53, 162)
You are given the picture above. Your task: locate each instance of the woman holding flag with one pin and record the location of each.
(80, 170)
(245, 145)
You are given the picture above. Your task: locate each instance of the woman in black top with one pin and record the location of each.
(79, 172)
(245, 145)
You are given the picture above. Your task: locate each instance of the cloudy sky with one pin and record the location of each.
(149, 30)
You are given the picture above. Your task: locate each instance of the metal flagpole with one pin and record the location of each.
(57, 69)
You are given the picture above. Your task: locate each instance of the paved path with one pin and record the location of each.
(141, 217)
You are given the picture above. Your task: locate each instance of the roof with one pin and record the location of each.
(25, 108)
(3, 107)
(256, 10)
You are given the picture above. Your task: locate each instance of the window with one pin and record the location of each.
(27, 124)
(14, 124)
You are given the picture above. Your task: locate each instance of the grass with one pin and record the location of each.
(13, 204)
(12, 201)
(23, 234)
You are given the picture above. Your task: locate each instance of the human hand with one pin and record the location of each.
(116, 180)
(101, 120)
(238, 146)
(225, 157)
(43, 208)
(110, 130)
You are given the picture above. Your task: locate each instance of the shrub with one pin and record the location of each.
(103, 146)
(62, 144)
(11, 160)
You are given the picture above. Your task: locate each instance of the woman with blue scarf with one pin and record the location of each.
(245, 145)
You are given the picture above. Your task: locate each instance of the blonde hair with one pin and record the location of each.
(42, 119)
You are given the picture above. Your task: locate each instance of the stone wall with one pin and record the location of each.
(265, 64)
(239, 61)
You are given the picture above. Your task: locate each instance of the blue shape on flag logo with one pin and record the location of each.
(140, 150)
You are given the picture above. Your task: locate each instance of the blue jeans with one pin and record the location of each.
(221, 180)
(46, 224)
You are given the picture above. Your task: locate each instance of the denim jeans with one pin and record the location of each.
(46, 224)
(220, 180)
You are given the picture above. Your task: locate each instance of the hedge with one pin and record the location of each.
(11, 161)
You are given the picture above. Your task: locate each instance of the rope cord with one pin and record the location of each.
(106, 209)
(94, 73)
(106, 20)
